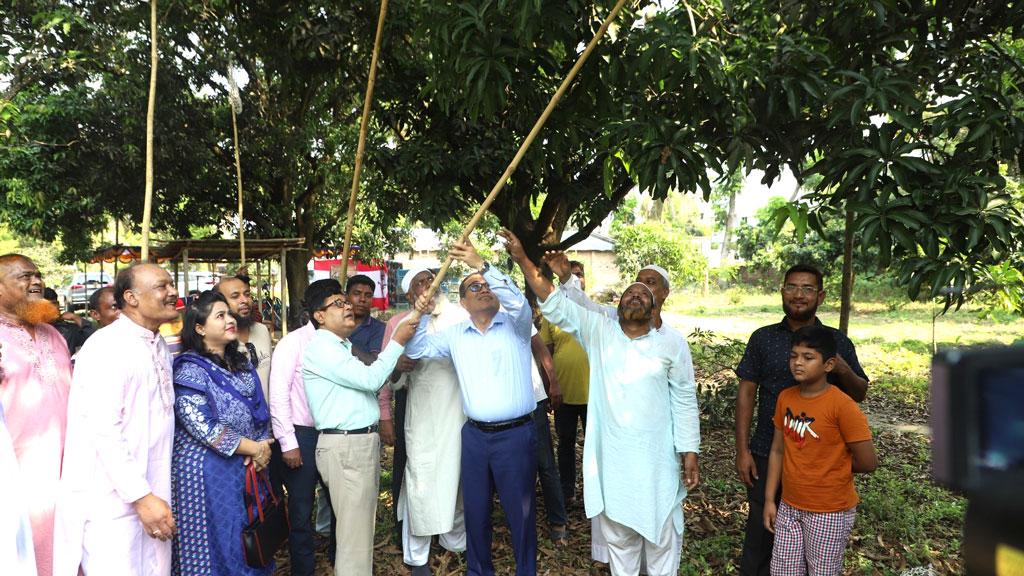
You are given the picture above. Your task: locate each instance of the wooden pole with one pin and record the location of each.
(238, 178)
(361, 148)
(147, 210)
(524, 147)
(284, 295)
(235, 101)
(184, 264)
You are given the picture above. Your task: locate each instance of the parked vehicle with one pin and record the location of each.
(83, 284)
(197, 281)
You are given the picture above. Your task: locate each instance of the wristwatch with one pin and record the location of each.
(483, 269)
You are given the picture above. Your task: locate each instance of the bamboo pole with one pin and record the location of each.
(147, 210)
(415, 315)
(361, 148)
(284, 295)
(235, 100)
(238, 177)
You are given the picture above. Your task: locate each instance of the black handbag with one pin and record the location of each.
(268, 521)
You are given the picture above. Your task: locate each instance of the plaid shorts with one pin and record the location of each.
(810, 542)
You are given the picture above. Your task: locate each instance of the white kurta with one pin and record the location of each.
(433, 435)
(642, 413)
(259, 337)
(118, 449)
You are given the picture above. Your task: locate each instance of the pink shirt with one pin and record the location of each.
(119, 446)
(288, 405)
(34, 393)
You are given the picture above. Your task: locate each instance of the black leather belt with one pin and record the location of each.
(503, 425)
(368, 430)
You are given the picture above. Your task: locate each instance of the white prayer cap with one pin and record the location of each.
(659, 270)
(641, 284)
(410, 275)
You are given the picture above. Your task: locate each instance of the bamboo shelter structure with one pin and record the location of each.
(181, 253)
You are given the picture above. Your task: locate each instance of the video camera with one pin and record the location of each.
(977, 422)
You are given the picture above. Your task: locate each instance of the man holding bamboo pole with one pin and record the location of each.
(491, 353)
(643, 425)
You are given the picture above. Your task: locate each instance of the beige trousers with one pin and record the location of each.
(350, 467)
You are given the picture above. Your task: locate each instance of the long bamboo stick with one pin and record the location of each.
(361, 149)
(147, 210)
(415, 315)
(238, 177)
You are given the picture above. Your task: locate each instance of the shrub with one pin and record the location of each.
(643, 244)
(714, 358)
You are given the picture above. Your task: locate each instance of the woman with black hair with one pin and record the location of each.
(223, 424)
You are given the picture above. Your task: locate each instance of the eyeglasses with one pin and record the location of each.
(578, 274)
(478, 286)
(339, 303)
(792, 289)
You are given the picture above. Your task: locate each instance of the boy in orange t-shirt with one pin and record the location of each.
(821, 439)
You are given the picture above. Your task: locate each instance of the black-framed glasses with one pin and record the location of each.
(478, 286)
(339, 303)
(792, 289)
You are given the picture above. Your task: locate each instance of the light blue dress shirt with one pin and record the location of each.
(493, 365)
(641, 414)
(341, 390)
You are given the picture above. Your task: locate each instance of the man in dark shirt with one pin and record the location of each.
(764, 369)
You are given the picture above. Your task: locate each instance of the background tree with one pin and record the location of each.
(904, 109)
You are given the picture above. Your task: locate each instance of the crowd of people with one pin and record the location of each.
(125, 456)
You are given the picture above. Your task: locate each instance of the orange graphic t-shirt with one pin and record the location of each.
(817, 468)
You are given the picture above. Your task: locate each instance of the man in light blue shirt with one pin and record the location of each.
(342, 395)
(491, 353)
(642, 422)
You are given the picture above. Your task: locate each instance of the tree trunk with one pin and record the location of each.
(847, 291)
(298, 281)
(730, 216)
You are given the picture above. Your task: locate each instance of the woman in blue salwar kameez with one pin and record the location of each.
(222, 423)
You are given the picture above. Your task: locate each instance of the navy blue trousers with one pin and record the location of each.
(301, 484)
(550, 484)
(505, 461)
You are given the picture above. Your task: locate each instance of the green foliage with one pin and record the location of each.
(897, 111)
(647, 243)
(55, 274)
(714, 358)
(1004, 286)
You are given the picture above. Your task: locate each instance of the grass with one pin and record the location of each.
(894, 346)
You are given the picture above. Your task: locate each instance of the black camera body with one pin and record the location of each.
(977, 422)
(977, 419)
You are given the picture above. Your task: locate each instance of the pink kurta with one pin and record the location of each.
(120, 435)
(34, 393)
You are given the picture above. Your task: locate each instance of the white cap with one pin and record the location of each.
(408, 278)
(659, 270)
(641, 284)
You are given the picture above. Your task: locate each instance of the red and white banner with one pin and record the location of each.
(324, 268)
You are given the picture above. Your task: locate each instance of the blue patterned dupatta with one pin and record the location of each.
(225, 381)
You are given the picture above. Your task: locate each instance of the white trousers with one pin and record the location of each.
(627, 553)
(416, 549)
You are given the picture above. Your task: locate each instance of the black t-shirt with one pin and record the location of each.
(766, 363)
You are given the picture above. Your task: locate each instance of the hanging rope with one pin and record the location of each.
(147, 210)
(360, 150)
(236, 107)
(415, 315)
